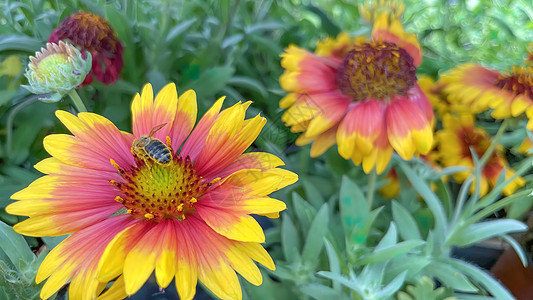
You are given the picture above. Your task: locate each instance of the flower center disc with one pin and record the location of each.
(376, 70)
(520, 82)
(156, 192)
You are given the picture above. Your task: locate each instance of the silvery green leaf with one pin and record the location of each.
(406, 223)
(315, 237)
(290, 240)
(482, 231)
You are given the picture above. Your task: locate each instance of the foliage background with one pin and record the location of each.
(231, 48)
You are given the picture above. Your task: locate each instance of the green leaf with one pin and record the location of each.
(429, 197)
(519, 208)
(425, 289)
(315, 237)
(490, 209)
(290, 241)
(406, 223)
(248, 83)
(450, 277)
(389, 239)
(494, 194)
(211, 81)
(481, 277)
(351, 283)
(389, 252)
(518, 249)
(16, 248)
(334, 265)
(268, 290)
(304, 211)
(177, 30)
(19, 42)
(327, 24)
(482, 231)
(353, 206)
(359, 234)
(312, 194)
(412, 264)
(392, 287)
(319, 292)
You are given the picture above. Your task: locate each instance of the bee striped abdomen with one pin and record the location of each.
(158, 151)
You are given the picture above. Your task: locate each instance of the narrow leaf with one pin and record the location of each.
(429, 197)
(482, 231)
(290, 241)
(406, 223)
(315, 237)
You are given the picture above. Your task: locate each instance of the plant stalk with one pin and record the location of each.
(77, 101)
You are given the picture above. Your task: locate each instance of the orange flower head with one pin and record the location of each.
(362, 95)
(508, 94)
(93, 33)
(458, 136)
(131, 213)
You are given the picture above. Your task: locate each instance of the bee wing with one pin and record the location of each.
(156, 129)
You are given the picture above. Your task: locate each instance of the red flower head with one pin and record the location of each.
(93, 33)
(361, 94)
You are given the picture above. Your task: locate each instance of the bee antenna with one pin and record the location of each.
(156, 129)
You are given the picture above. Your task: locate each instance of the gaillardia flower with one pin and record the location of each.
(131, 212)
(479, 88)
(56, 70)
(93, 33)
(455, 140)
(361, 94)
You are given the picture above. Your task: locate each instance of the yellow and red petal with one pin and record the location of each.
(96, 140)
(196, 141)
(418, 97)
(235, 226)
(408, 130)
(306, 72)
(324, 141)
(191, 248)
(76, 259)
(147, 113)
(63, 203)
(331, 107)
(224, 144)
(392, 31)
(253, 160)
(360, 128)
(185, 118)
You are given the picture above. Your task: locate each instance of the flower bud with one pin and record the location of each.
(56, 70)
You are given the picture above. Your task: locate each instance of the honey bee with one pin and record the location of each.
(147, 147)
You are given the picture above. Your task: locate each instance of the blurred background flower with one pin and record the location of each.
(456, 141)
(90, 32)
(361, 94)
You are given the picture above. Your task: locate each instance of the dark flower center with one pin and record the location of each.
(376, 70)
(519, 82)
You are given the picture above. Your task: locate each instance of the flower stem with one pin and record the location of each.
(77, 101)
(486, 156)
(371, 188)
(11, 118)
